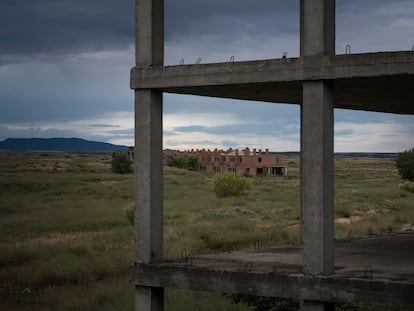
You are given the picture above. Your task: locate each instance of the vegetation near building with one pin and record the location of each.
(249, 162)
(405, 164)
(230, 184)
(189, 162)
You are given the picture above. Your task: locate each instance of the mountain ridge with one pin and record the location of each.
(57, 144)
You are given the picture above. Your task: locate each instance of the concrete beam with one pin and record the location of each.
(297, 286)
(373, 82)
(274, 70)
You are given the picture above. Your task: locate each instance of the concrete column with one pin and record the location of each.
(317, 27)
(317, 38)
(148, 151)
(317, 178)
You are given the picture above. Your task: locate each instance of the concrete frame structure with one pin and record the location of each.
(319, 81)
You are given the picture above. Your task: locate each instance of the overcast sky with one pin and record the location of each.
(64, 71)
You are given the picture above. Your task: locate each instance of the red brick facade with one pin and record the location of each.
(245, 161)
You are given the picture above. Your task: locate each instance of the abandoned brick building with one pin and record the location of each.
(246, 161)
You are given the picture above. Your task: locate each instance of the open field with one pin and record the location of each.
(65, 243)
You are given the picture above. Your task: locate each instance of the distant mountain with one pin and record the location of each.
(57, 144)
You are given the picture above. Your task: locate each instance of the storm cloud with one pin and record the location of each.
(65, 63)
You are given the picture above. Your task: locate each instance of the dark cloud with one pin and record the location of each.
(56, 27)
(103, 125)
(226, 19)
(261, 128)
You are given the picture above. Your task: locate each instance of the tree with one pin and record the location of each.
(175, 161)
(191, 162)
(230, 184)
(405, 164)
(121, 163)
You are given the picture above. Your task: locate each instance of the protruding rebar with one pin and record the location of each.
(368, 272)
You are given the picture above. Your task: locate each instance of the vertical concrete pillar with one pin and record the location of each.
(317, 178)
(317, 38)
(149, 48)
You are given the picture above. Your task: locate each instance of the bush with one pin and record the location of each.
(189, 162)
(405, 164)
(265, 303)
(121, 163)
(408, 186)
(174, 161)
(230, 184)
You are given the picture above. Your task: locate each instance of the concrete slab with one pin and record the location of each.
(386, 257)
(369, 270)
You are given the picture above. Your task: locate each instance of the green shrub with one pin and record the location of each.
(121, 163)
(230, 184)
(189, 162)
(259, 303)
(175, 161)
(405, 164)
(408, 186)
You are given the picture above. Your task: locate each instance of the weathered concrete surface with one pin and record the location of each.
(148, 187)
(370, 270)
(371, 81)
(317, 27)
(317, 39)
(317, 177)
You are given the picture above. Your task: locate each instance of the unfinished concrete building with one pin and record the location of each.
(320, 271)
(247, 161)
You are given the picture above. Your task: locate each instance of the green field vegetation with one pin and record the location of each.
(65, 243)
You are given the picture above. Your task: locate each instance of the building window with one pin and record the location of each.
(216, 169)
(259, 159)
(216, 159)
(231, 169)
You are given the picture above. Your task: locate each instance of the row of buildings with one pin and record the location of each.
(246, 161)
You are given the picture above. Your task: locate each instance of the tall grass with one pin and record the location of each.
(65, 243)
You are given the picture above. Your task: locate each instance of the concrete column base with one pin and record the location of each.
(317, 306)
(149, 298)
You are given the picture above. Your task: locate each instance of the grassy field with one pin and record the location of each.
(65, 243)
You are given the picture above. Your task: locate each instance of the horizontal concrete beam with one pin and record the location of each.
(274, 70)
(298, 286)
(372, 81)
